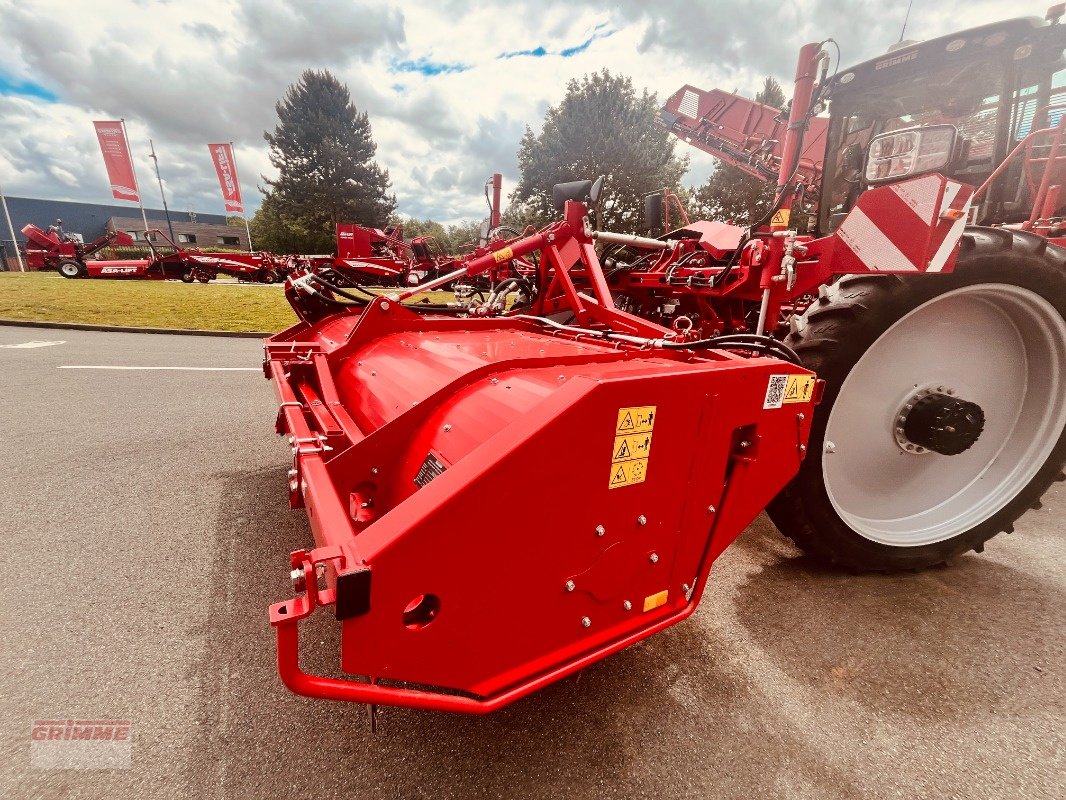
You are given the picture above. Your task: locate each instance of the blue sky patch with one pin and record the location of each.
(27, 89)
(426, 67)
(599, 32)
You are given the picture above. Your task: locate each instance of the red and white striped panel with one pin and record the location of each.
(912, 226)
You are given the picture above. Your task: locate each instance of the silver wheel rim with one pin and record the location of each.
(1000, 346)
(69, 270)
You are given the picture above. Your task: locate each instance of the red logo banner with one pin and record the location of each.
(117, 160)
(222, 156)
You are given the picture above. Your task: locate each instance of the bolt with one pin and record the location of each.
(447, 428)
(801, 417)
(803, 448)
(626, 605)
(902, 418)
(562, 377)
(600, 530)
(654, 558)
(374, 470)
(642, 520)
(710, 509)
(830, 447)
(298, 580)
(745, 444)
(570, 586)
(384, 305)
(586, 622)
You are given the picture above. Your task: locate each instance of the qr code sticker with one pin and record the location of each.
(775, 391)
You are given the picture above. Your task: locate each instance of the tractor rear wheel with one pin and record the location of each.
(70, 269)
(944, 413)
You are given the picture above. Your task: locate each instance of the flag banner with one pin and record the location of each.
(117, 160)
(222, 155)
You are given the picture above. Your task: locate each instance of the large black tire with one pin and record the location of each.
(848, 317)
(69, 268)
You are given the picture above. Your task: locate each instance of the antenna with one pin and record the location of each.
(906, 19)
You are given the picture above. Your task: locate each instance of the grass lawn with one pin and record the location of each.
(47, 297)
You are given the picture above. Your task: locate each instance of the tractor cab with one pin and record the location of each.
(959, 105)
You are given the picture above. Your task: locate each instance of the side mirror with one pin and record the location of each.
(653, 214)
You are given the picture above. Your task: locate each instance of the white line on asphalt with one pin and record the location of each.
(180, 369)
(30, 345)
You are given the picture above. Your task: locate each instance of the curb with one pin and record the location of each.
(84, 326)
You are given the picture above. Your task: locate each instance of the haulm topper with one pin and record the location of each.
(505, 491)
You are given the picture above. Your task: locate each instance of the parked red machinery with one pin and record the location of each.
(53, 249)
(416, 430)
(384, 258)
(173, 262)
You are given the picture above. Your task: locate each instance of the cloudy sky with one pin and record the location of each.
(449, 84)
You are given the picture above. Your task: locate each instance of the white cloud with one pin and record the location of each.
(191, 72)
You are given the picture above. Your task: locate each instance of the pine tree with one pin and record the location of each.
(730, 194)
(601, 127)
(323, 150)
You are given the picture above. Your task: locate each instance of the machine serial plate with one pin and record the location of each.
(431, 468)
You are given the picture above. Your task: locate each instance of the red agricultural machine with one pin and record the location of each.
(891, 385)
(384, 257)
(53, 249)
(170, 261)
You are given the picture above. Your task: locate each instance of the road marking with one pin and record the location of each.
(179, 369)
(28, 345)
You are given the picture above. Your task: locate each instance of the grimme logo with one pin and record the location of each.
(80, 743)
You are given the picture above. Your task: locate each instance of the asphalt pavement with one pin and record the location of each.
(146, 529)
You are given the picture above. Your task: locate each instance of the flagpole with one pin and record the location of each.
(158, 177)
(237, 175)
(136, 183)
(11, 230)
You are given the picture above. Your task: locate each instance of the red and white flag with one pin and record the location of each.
(226, 169)
(117, 160)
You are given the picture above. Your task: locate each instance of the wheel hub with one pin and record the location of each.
(938, 421)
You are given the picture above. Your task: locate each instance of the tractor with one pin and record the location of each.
(503, 493)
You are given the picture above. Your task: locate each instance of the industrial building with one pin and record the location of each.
(91, 220)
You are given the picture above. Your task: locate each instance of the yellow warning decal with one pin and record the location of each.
(635, 419)
(781, 217)
(653, 601)
(788, 389)
(503, 254)
(630, 447)
(626, 473)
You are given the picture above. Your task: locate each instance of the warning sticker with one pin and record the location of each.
(629, 447)
(503, 254)
(788, 389)
(636, 419)
(781, 217)
(632, 445)
(626, 473)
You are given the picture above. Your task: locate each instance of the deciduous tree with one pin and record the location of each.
(601, 127)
